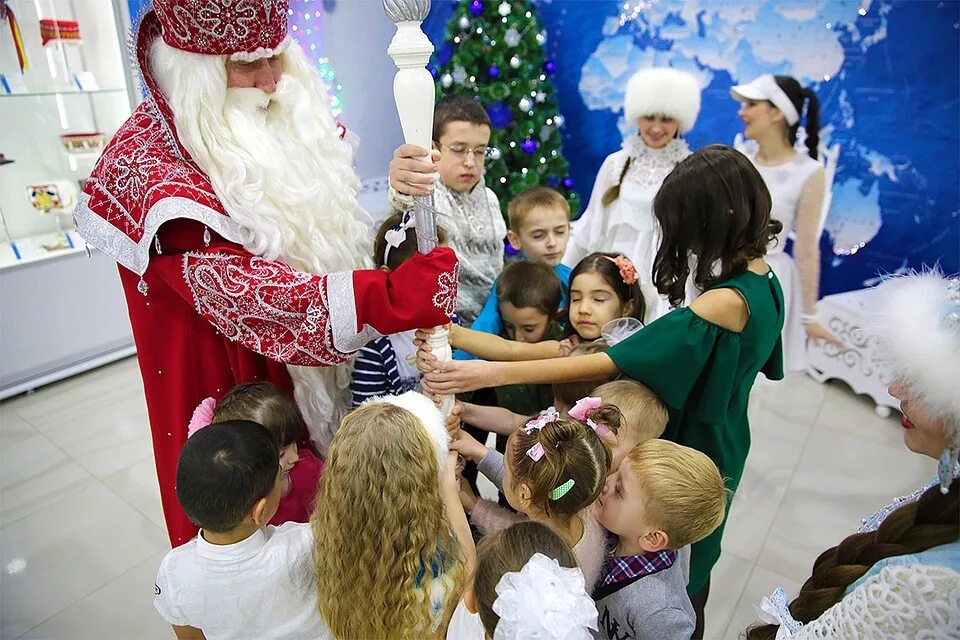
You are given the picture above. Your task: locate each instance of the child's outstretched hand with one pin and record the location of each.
(468, 446)
(467, 497)
(452, 421)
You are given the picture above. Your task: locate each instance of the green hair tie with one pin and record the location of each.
(562, 490)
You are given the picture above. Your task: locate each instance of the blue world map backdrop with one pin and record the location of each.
(886, 73)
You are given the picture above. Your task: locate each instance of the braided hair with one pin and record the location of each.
(931, 521)
(611, 194)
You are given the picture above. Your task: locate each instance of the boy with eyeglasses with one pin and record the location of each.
(466, 208)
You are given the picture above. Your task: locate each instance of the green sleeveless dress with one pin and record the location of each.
(704, 373)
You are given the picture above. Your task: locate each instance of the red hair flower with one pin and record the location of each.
(627, 271)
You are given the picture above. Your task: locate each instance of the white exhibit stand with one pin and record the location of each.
(848, 316)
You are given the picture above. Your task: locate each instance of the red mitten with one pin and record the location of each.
(422, 292)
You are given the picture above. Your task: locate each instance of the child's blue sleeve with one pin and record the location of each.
(370, 373)
(488, 321)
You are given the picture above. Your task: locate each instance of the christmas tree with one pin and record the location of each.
(495, 52)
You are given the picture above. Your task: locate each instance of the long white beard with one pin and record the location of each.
(278, 165)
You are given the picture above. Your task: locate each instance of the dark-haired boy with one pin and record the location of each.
(239, 578)
(466, 208)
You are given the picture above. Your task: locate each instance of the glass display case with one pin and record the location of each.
(65, 89)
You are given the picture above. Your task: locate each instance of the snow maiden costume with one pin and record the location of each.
(898, 577)
(627, 224)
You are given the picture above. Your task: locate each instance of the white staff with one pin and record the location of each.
(414, 93)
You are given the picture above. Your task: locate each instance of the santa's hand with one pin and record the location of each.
(411, 173)
(421, 292)
(460, 376)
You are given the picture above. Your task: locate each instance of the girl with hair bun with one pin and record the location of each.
(552, 471)
(771, 108)
(662, 103)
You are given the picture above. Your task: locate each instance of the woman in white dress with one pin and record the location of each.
(662, 103)
(771, 107)
(898, 577)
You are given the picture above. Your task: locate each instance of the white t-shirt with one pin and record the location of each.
(261, 587)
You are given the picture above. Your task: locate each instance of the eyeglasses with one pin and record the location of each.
(460, 151)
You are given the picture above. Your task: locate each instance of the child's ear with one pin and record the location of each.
(470, 600)
(258, 511)
(524, 494)
(656, 540)
(514, 240)
(627, 309)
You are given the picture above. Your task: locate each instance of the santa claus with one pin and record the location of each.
(230, 203)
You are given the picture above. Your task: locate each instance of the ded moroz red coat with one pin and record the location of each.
(206, 313)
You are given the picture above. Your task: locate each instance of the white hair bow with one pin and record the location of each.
(395, 236)
(773, 609)
(544, 600)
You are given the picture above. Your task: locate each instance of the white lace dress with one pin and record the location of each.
(628, 226)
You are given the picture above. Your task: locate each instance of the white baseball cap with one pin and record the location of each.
(766, 88)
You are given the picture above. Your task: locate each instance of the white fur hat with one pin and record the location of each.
(430, 417)
(663, 90)
(918, 324)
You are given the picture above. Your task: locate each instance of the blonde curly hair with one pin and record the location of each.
(380, 531)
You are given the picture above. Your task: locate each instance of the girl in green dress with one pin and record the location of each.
(702, 360)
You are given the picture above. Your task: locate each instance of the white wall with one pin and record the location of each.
(357, 34)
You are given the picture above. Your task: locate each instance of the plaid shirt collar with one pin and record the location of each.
(621, 568)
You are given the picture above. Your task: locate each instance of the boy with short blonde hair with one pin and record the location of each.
(539, 228)
(644, 415)
(663, 498)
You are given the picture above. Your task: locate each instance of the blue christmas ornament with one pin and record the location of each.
(529, 145)
(499, 115)
(476, 8)
(434, 72)
(568, 182)
(550, 67)
(553, 181)
(493, 71)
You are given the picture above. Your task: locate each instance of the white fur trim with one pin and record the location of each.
(920, 343)
(430, 417)
(663, 90)
(262, 52)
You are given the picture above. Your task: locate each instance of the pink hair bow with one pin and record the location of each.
(545, 418)
(202, 416)
(579, 412)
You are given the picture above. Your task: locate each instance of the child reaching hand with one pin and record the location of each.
(663, 498)
(263, 403)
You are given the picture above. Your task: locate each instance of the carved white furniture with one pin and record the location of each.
(848, 316)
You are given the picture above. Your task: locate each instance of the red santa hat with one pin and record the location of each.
(245, 30)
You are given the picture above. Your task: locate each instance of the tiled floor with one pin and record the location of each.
(82, 533)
